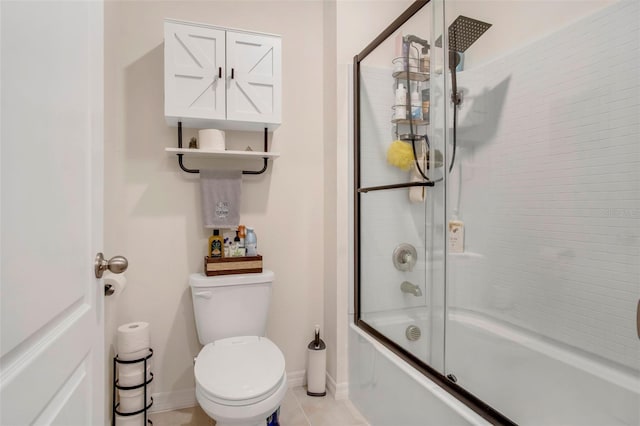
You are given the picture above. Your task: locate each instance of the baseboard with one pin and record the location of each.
(296, 378)
(338, 390)
(165, 401)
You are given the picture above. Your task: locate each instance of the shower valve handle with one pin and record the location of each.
(404, 257)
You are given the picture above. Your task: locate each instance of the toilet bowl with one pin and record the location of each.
(240, 381)
(240, 374)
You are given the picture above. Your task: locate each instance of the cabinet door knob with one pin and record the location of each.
(219, 72)
(231, 73)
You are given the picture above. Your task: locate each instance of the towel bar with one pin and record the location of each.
(244, 172)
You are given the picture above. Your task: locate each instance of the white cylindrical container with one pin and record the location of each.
(317, 366)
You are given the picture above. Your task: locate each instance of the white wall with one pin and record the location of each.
(549, 193)
(152, 213)
(516, 22)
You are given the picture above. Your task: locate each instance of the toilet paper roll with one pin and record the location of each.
(133, 356)
(134, 378)
(211, 139)
(137, 420)
(130, 369)
(133, 400)
(133, 337)
(118, 281)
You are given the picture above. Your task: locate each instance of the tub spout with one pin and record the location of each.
(407, 287)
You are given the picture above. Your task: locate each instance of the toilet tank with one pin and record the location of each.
(230, 305)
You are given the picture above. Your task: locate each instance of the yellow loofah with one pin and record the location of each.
(400, 154)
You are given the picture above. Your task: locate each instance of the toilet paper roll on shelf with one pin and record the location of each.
(132, 376)
(132, 356)
(135, 368)
(117, 281)
(137, 420)
(211, 140)
(133, 340)
(132, 400)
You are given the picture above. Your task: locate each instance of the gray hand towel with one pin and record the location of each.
(220, 191)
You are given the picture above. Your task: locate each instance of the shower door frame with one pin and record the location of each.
(481, 408)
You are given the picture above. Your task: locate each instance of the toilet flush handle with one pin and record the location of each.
(204, 294)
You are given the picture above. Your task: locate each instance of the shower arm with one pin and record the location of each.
(415, 39)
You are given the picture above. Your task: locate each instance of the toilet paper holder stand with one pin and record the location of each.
(144, 385)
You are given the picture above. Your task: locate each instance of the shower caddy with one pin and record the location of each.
(144, 385)
(412, 71)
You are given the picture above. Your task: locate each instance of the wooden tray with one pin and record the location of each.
(232, 265)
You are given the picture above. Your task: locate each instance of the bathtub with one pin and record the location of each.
(538, 381)
(535, 381)
(389, 392)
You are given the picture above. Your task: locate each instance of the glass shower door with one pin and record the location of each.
(399, 98)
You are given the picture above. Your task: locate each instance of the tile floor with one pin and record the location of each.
(297, 409)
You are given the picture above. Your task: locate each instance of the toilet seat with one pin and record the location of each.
(239, 371)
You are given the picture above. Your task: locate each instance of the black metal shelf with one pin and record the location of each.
(144, 385)
(244, 172)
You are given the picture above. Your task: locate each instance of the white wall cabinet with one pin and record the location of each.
(222, 78)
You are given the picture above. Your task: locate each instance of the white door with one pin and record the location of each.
(51, 305)
(194, 65)
(254, 92)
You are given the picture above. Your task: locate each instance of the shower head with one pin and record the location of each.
(463, 32)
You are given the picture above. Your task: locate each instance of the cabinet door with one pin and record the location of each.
(193, 58)
(254, 92)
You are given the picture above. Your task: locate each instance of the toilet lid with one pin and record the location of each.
(242, 369)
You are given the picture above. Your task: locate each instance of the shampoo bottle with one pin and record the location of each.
(416, 104)
(242, 233)
(251, 242)
(216, 244)
(425, 104)
(456, 235)
(401, 103)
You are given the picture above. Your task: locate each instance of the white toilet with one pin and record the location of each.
(240, 377)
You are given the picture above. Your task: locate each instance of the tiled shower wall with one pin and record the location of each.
(547, 182)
